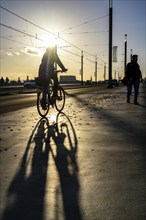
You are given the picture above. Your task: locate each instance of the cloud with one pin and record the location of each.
(9, 53)
(16, 53)
(31, 51)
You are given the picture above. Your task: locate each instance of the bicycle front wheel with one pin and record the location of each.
(43, 108)
(60, 101)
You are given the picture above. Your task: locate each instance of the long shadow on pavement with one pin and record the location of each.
(25, 195)
(26, 191)
(66, 164)
(130, 132)
(121, 141)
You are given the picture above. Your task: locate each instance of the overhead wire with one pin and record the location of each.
(86, 22)
(15, 41)
(12, 28)
(84, 32)
(58, 36)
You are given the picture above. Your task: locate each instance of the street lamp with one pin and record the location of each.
(82, 67)
(110, 41)
(125, 63)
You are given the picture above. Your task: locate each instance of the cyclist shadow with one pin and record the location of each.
(66, 164)
(26, 193)
(27, 189)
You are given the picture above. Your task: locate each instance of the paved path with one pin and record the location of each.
(89, 166)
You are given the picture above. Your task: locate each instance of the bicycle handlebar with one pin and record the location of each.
(60, 71)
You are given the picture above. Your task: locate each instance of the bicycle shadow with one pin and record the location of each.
(27, 189)
(67, 167)
(26, 193)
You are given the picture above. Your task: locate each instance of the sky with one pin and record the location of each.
(29, 27)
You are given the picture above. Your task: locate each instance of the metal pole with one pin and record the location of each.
(104, 71)
(115, 75)
(81, 67)
(125, 63)
(96, 69)
(110, 42)
(56, 53)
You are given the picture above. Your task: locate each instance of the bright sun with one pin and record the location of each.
(48, 41)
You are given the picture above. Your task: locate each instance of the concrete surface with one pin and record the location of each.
(87, 163)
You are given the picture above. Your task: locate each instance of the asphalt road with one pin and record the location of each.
(86, 163)
(14, 101)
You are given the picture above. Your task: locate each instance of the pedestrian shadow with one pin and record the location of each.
(130, 132)
(143, 106)
(139, 105)
(26, 193)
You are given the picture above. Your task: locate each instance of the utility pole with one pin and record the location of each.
(95, 69)
(115, 76)
(56, 53)
(110, 41)
(125, 62)
(104, 71)
(81, 67)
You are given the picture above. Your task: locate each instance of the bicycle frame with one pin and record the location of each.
(45, 98)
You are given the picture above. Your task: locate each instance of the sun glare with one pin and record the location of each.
(48, 41)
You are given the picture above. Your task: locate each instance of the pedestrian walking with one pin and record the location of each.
(134, 77)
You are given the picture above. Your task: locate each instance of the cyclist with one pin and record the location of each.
(47, 69)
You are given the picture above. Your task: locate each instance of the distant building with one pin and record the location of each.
(68, 79)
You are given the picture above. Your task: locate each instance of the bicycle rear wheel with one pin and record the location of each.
(42, 109)
(60, 102)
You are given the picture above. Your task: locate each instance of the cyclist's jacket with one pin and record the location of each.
(46, 68)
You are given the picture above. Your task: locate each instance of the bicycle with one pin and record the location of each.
(45, 98)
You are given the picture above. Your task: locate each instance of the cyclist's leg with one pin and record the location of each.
(43, 101)
(44, 94)
(56, 83)
(41, 107)
(45, 91)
